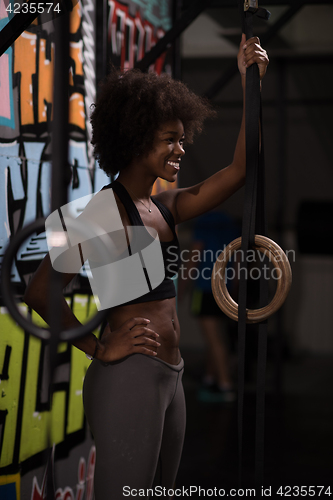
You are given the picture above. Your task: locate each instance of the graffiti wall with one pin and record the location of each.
(134, 27)
(35, 434)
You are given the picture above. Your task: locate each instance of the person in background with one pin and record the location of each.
(211, 233)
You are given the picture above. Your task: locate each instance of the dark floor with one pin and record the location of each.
(298, 430)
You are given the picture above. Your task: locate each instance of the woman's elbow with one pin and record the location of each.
(33, 297)
(29, 298)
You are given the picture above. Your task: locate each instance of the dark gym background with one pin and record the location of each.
(298, 105)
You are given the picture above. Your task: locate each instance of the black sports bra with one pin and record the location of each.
(170, 249)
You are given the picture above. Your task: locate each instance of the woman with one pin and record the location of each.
(133, 395)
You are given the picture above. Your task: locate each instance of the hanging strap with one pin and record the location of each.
(262, 327)
(253, 223)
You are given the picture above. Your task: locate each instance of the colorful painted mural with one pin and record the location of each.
(26, 90)
(35, 434)
(134, 27)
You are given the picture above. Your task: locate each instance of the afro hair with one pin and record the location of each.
(132, 106)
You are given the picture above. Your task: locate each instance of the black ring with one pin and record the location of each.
(41, 333)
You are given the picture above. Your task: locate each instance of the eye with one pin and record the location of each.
(172, 140)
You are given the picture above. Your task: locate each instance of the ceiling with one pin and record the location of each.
(216, 32)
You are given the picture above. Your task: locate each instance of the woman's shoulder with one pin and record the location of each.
(167, 199)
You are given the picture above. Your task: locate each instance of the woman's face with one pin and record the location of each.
(164, 159)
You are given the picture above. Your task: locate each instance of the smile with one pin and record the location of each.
(173, 164)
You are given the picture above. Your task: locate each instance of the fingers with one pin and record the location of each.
(253, 53)
(250, 41)
(252, 45)
(134, 336)
(139, 335)
(146, 341)
(143, 330)
(254, 58)
(143, 336)
(136, 321)
(144, 350)
(142, 341)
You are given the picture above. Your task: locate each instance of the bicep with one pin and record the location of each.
(207, 195)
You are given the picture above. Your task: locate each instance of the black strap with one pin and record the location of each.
(133, 212)
(253, 223)
(166, 214)
(262, 327)
(123, 195)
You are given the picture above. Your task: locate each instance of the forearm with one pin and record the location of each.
(38, 296)
(250, 52)
(41, 306)
(239, 159)
(88, 343)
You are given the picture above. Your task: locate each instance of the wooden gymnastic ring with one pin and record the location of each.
(280, 261)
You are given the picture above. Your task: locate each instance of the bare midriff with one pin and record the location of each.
(163, 320)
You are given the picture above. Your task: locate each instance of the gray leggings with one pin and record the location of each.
(136, 411)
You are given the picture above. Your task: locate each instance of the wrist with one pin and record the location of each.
(100, 350)
(98, 347)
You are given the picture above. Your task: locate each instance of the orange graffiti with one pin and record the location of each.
(34, 101)
(76, 110)
(45, 77)
(25, 64)
(76, 101)
(75, 52)
(75, 18)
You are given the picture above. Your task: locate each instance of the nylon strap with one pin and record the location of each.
(253, 223)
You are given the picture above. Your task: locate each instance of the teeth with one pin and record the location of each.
(173, 164)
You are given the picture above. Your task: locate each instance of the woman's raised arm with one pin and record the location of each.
(187, 203)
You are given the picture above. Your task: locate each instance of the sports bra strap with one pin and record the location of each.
(123, 195)
(133, 212)
(166, 214)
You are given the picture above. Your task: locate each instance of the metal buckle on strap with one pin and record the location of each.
(251, 5)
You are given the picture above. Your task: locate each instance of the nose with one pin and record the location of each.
(179, 150)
